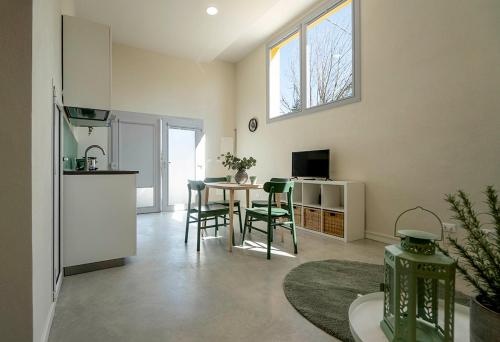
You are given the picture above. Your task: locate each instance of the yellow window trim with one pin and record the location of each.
(277, 47)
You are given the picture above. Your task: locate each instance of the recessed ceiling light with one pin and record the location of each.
(212, 10)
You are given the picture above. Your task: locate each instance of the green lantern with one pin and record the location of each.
(416, 276)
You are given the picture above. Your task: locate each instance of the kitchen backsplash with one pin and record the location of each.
(70, 147)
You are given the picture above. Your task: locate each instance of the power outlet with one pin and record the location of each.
(449, 227)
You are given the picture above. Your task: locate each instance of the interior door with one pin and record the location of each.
(56, 198)
(139, 149)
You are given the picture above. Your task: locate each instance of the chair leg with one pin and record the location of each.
(187, 227)
(198, 237)
(269, 235)
(244, 229)
(216, 225)
(272, 231)
(250, 223)
(239, 216)
(294, 238)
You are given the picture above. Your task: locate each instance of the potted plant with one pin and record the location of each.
(479, 260)
(240, 165)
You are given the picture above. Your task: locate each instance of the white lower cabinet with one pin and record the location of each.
(100, 222)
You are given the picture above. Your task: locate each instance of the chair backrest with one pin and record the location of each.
(197, 186)
(274, 179)
(215, 179)
(279, 188)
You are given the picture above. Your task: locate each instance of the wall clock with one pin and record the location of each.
(252, 125)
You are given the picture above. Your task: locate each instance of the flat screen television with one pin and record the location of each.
(314, 164)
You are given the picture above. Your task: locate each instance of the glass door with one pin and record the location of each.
(138, 142)
(181, 165)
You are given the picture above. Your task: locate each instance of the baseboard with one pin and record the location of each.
(380, 237)
(93, 266)
(50, 317)
(48, 323)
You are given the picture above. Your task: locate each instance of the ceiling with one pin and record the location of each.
(182, 28)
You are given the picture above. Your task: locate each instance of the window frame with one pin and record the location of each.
(301, 26)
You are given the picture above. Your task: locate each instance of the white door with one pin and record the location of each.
(139, 150)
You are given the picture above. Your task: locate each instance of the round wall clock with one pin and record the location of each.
(252, 125)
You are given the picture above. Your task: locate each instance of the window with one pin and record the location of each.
(315, 65)
(284, 77)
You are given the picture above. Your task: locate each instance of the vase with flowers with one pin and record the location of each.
(241, 165)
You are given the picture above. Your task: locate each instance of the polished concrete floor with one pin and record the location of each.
(168, 292)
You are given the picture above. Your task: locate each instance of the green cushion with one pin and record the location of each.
(275, 212)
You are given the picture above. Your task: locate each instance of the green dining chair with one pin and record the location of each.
(263, 203)
(224, 201)
(272, 215)
(202, 213)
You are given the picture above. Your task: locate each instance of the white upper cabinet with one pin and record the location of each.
(86, 63)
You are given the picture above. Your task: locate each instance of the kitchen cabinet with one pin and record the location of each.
(86, 63)
(99, 219)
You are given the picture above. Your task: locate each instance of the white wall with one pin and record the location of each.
(428, 122)
(148, 82)
(46, 71)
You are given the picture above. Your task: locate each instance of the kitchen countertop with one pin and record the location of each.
(100, 172)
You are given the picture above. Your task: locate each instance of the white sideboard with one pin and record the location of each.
(343, 198)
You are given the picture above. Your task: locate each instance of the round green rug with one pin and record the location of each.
(322, 292)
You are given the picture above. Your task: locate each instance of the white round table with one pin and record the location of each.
(366, 312)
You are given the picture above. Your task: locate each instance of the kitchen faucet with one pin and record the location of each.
(86, 152)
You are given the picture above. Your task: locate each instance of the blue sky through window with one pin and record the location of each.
(329, 51)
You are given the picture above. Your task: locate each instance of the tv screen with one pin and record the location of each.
(311, 164)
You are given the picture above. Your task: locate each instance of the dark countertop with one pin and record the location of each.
(101, 172)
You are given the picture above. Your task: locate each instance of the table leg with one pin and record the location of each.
(278, 205)
(231, 221)
(248, 198)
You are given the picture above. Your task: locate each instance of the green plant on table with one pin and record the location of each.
(232, 162)
(479, 254)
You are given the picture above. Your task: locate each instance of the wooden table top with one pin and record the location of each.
(234, 186)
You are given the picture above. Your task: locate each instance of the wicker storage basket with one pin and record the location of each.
(312, 218)
(333, 223)
(297, 213)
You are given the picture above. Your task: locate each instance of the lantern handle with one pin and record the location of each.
(423, 209)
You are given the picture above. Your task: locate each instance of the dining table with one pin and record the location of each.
(231, 188)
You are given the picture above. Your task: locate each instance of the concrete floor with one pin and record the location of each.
(168, 292)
